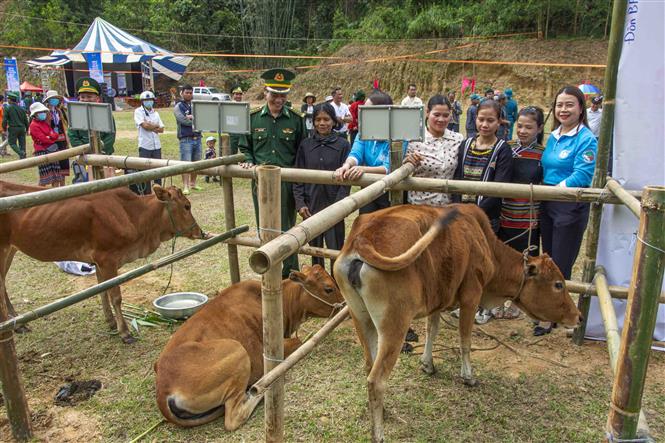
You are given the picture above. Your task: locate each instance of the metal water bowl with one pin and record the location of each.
(179, 305)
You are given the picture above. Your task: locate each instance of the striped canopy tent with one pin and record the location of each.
(119, 50)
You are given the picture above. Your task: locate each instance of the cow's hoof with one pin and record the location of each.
(128, 340)
(113, 327)
(428, 368)
(470, 382)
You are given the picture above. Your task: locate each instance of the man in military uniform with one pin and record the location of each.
(89, 91)
(275, 134)
(15, 124)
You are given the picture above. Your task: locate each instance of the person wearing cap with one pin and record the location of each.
(359, 100)
(27, 101)
(45, 140)
(211, 153)
(511, 111)
(236, 94)
(594, 113)
(329, 99)
(59, 124)
(15, 124)
(275, 134)
(471, 114)
(88, 91)
(149, 125)
(190, 140)
(307, 109)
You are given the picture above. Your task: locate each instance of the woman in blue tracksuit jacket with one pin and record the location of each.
(569, 161)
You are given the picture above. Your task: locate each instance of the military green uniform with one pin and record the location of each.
(274, 141)
(234, 141)
(78, 137)
(15, 123)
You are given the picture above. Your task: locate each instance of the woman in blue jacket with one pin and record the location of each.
(569, 161)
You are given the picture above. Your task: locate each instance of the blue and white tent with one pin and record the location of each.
(117, 47)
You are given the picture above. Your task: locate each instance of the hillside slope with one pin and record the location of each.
(532, 84)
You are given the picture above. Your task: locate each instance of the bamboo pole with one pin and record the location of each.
(229, 213)
(612, 331)
(288, 243)
(640, 318)
(269, 196)
(56, 194)
(70, 300)
(303, 351)
(10, 378)
(396, 196)
(618, 292)
(604, 144)
(17, 165)
(631, 202)
(575, 286)
(293, 175)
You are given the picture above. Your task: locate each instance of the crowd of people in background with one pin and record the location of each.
(501, 143)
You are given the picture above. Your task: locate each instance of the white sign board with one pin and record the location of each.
(90, 116)
(387, 122)
(218, 116)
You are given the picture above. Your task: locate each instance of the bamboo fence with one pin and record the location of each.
(17, 165)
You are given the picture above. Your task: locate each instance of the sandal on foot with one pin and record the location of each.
(539, 330)
(411, 335)
(511, 313)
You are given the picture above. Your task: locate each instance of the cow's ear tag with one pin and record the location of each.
(531, 270)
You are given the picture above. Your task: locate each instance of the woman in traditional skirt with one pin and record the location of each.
(44, 139)
(59, 123)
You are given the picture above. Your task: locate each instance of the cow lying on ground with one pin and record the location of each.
(443, 258)
(208, 364)
(109, 228)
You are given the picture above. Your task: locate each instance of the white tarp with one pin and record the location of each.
(639, 147)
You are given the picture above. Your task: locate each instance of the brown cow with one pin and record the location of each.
(207, 365)
(443, 258)
(109, 228)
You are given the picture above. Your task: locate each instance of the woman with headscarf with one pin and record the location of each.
(325, 151)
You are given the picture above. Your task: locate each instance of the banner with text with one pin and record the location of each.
(11, 72)
(639, 147)
(95, 67)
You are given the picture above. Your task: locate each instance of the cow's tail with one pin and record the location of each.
(373, 258)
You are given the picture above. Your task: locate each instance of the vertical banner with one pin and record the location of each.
(122, 84)
(11, 72)
(45, 77)
(639, 147)
(95, 68)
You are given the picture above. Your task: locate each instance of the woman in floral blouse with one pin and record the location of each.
(438, 152)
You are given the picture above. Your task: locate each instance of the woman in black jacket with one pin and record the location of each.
(325, 151)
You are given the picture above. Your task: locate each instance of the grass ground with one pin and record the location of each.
(522, 397)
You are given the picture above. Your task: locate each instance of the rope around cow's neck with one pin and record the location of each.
(335, 306)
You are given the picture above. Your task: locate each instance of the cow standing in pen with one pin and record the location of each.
(108, 228)
(443, 258)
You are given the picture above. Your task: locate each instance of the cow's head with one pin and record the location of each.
(178, 213)
(544, 295)
(322, 294)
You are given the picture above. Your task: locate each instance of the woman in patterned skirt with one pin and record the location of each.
(44, 139)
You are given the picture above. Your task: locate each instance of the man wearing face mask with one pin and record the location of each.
(276, 133)
(150, 125)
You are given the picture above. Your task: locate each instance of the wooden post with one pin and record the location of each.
(229, 212)
(604, 144)
(640, 319)
(269, 195)
(396, 196)
(95, 148)
(10, 378)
